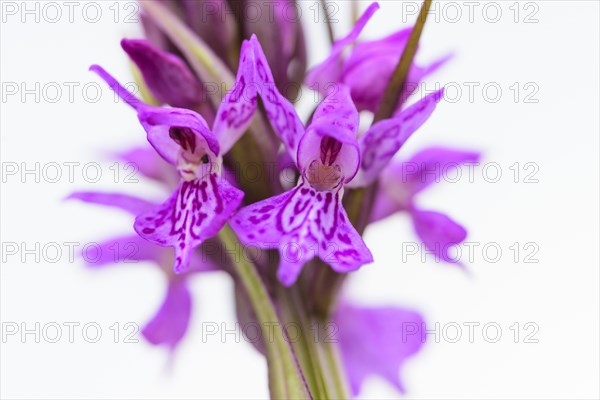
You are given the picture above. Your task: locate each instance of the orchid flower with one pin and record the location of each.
(203, 201)
(401, 181)
(190, 141)
(368, 67)
(309, 220)
(168, 326)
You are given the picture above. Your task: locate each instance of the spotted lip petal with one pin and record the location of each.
(377, 341)
(303, 223)
(383, 140)
(166, 75)
(158, 121)
(196, 211)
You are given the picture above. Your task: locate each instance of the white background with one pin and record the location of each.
(559, 133)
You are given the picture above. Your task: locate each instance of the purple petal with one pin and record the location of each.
(196, 211)
(171, 321)
(381, 142)
(385, 204)
(438, 232)
(131, 204)
(329, 72)
(370, 66)
(158, 121)
(149, 164)
(167, 76)
(303, 223)
(116, 87)
(377, 341)
(429, 166)
(126, 249)
(335, 118)
(280, 111)
(239, 104)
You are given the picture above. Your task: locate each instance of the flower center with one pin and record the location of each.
(194, 161)
(323, 173)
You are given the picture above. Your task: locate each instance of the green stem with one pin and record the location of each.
(285, 378)
(336, 370)
(395, 88)
(305, 347)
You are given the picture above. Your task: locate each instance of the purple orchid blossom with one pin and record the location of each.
(168, 326)
(377, 341)
(401, 181)
(189, 153)
(203, 201)
(309, 220)
(368, 67)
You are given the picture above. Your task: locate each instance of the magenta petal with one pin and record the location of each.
(329, 72)
(381, 142)
(280, 111)
(377, 341)
(239, 104)
(370, 65)
(303, 223)
(149, 164)
(158, 121)
(429, 166)
(116, 87)
(438, 232)
(171, 321)
(384, 205)
(196, 211)
(167, 76)
(131, 204)
(126, 249)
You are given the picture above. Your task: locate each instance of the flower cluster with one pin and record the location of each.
(197, 142)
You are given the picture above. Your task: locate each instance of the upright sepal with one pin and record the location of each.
(237, 108)
(383, 140)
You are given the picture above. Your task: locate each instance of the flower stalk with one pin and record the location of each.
(285, 378)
